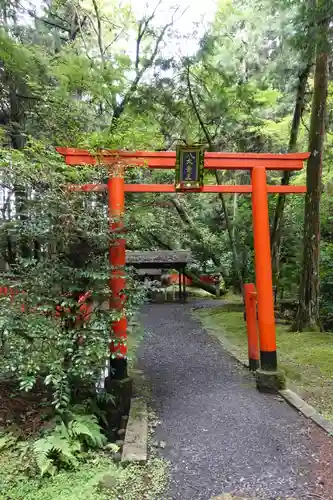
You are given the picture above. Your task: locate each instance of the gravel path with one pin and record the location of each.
(222, 436)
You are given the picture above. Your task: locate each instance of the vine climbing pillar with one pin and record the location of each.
(117, 260)
(264, 284)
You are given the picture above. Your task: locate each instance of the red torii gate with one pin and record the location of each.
(256, 163)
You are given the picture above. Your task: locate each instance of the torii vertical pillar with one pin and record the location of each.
(117, 259)
(264, 284)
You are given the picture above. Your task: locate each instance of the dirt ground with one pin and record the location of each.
(23, 413)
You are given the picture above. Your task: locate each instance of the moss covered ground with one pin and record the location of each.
(96, 479)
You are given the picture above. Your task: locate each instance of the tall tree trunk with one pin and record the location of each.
(307, 57)
(18, 142)
(281, 201)
(308, 310)
(231, 232)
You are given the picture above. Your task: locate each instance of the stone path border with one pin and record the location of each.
(290, 396)
(135, 447)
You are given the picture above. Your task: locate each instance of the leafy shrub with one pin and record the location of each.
(56, 245)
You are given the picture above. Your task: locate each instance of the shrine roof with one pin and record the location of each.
(141, 258)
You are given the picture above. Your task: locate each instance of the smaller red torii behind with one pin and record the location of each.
(256, 163)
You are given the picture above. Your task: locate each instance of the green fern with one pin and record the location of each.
(43, 451)
(43, 454)
(86, 429)
(55, 452)
(63, 447)
(7, 441)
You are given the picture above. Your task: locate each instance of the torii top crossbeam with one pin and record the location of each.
(189, 177)
(167, 160)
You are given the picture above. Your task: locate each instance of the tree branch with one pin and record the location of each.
(49, 22)
(133, 87)
(196, 110)
(80, 25)
(99, 32)
(114, 40)
(142, 28)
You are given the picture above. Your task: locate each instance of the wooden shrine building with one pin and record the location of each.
(152, 264)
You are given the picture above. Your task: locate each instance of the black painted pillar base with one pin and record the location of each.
(253, 365)
(118, 368)
(119, 385)
(268, 377)
(268, 360)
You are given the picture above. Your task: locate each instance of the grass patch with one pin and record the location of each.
(86, 483)
(233, 298)
(191, 292)
(199, 292)
(227, 297)
(306, 358)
